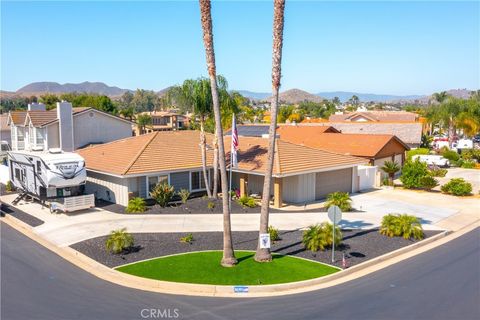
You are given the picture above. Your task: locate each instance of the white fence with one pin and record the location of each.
(367, 176)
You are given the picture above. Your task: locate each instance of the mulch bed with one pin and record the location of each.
(193, 206)
(20, 215)
(358, 246)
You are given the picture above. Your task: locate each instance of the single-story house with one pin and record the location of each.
(131, 167)
(301, 174)
(377, 148)
(375, 116)
(260, 130)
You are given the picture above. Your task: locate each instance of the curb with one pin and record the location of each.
(105, 273)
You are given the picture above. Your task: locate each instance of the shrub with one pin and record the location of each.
(319, 236)
(468, 164)
(211, 205)
(340, 199)
(163, 193)
(387, 182)
(187, 239)
(451, 155)
(412, 172)
(413, 152)
(471, 154)
(9, 186)
(428, 182)
(274, 236)
(403, 225)
(136, 205)
(457, 187)
(184, 194)
(437, 172)
(390, 168)
(119, 240)
(247, 201)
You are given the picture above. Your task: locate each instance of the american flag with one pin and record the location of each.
(234, 147)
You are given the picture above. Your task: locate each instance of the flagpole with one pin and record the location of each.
(231, 165)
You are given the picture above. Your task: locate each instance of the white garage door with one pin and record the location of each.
(333, 181)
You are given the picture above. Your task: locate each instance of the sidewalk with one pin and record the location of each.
(446, 212)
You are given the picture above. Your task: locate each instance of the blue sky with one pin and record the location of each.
(378, 47)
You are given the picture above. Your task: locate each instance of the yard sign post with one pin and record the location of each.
(335, 215)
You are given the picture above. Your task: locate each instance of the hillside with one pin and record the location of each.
(293, 96)
(345, 95)
(54, 87)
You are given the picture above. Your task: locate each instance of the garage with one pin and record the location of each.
(332, 181)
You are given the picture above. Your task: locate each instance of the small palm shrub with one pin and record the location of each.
(340, 199)
(403, 225)
(9, 186)
(274, 236)
(119, 240)
(163, 193)
(320, 236)
(136, 205)
(412, 172)
(438, 172)
(184, 194)
(211, 205)
(187, 239)
(428, 182)
(390, 168)
(457, 187)
(247, 201)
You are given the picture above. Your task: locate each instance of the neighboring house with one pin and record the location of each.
(165, 121)
(132, 167)
(261, 130)
(5, 129)
(300, 174)
(375, 116)
(65, 127)
(377, 148)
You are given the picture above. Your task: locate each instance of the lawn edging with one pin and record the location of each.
(103, 272)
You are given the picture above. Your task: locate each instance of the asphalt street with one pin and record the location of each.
(443, 283)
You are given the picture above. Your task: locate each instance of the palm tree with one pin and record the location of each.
(390, 168)
(336, 101)
(143, 120)
(196, 93)
(228, 259)
(263, 254)
(440, 96)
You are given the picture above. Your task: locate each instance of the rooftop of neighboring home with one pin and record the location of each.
(361, 145)
(153, 152)
(167, 113)
(259, 130)
(290, 158)
(375, 116)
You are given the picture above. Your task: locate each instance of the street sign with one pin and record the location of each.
(335, 214)
(264, 240)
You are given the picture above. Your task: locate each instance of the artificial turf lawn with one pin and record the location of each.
(204, 268)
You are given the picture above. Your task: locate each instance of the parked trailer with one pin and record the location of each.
(47, 176)
(432, 160)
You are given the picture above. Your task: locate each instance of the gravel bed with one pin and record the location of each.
(358, 246)
(197, 205)
(20, 215)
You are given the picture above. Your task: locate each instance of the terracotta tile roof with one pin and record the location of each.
(289, 158)
(18, 117)
(314, 120)
(361, 145)
(380, 116)
(154, 152)
(296, 130)
(38, 118)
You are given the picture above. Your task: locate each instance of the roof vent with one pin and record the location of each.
(55, 150)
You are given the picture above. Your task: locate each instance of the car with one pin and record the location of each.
(433, 160)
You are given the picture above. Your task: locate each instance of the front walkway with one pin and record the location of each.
(434, 209)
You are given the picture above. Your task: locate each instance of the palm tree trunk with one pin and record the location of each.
(215, 167)
(203, 146)
(263, 254)
(228, 259)
(451, 131)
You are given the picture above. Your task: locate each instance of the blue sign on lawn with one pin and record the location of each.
(240, 289)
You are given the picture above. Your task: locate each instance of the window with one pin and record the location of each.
(198, 182)
(40, 136)
(17, 173)
(154, 180)
(39, 166)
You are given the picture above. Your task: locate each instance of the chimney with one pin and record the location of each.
(36, 107)
(65, 125)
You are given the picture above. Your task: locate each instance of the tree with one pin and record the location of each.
(228, 259)
(50, 100)
(336, 101)
(354, 100)
(143, 120)
(127, 113)
(263, 254)
(390, 168)
(440, 96)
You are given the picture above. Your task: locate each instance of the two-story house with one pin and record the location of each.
(165, 121)
(65, 127)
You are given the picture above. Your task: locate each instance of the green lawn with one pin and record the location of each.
(204, 267)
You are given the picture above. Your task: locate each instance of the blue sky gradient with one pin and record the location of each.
(379, 47)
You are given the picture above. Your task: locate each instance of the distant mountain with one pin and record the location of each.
(54, 87)
(254, 95)
(345, 95)
(296, 96)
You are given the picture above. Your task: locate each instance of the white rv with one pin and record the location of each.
(51, 175)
